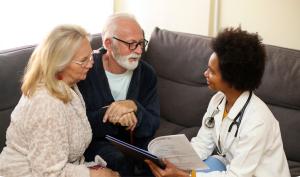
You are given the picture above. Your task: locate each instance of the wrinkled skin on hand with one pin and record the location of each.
(122, 112)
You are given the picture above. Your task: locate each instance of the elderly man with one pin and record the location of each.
(120, 94)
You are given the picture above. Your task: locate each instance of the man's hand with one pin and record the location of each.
(122, 112)
(128, 120)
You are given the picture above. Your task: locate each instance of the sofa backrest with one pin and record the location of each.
(12, 64)
(280, 89)
(180, 60)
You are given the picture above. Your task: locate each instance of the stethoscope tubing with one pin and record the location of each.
(210, 123)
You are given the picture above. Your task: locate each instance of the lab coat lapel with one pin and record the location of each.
(218, 119)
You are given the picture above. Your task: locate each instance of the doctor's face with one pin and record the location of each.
(213, 74)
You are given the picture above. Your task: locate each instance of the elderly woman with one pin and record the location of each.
(238, 124)
(49, 130)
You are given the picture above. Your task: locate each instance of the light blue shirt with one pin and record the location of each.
(119, 84)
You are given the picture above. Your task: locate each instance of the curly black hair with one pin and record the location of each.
(241, 58)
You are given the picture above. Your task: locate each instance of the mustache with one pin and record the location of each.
(134, 55)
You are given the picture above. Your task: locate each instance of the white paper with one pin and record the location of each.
(178, 150)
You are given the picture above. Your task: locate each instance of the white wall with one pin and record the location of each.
(25, 22)
(179, 15)
(277, 21)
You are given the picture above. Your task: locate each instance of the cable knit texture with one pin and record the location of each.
(46, 137)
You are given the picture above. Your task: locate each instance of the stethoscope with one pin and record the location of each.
(210, 123)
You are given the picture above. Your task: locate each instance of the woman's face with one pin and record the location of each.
(213, 74)
(81, 62)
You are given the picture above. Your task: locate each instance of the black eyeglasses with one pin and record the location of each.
(133, 45)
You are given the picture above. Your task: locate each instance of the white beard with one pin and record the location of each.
(124, 60)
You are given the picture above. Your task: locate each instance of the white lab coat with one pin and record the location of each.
(257, 150)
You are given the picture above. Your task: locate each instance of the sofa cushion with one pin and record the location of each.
(180, 62)
(12, 64)
(280, 90)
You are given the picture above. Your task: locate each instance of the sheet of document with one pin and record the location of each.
(178, 150)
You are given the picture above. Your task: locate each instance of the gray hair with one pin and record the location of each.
(111, 25)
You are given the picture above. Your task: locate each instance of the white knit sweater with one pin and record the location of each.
(46, 137)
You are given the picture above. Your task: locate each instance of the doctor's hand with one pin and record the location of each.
(170, 171)
(117, 109)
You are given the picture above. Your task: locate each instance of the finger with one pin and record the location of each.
(107, 113)
(168, 163)
(129, 120)
(112, 120)
(116, 120)
(132, 127)
(116, 174)
(105, 117)
(131, 124)
(155, 169)
(123, 120)
(134, 120)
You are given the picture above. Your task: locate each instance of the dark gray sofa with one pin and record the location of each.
(180, 60)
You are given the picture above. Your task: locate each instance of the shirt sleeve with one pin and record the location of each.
(203, 143)
(48, 142)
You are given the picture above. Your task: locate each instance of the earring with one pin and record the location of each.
(59, 77)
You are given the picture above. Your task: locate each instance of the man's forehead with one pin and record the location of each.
(130, 33)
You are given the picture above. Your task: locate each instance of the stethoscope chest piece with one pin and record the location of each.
(210, 121)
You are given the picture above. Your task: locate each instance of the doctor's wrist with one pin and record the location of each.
(184, 173)
(192, 173)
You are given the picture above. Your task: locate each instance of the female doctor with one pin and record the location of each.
(237, 124)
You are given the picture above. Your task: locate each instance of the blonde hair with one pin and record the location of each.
(51, 57)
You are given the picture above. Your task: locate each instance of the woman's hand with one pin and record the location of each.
(103, 172)
(170, 171)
